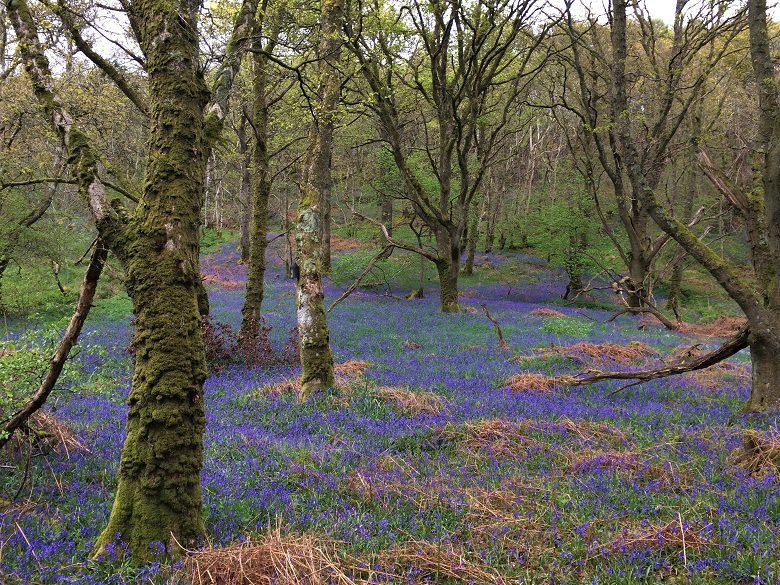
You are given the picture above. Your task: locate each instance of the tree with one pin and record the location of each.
(316, 182)
(457, 71)
(678, 63)
(260, 177)
(158, 497)
(759, 299)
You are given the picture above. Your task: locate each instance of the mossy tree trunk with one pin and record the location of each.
(158, 498)
(261, 190)
(245, 192)
(448, 271)
(471, 247)
(316, 357)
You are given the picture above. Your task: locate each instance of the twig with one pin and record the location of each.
(383, 255)
(501, 342)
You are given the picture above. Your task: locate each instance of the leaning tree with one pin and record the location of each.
(759, 206)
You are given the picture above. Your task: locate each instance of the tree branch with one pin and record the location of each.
(69, 339)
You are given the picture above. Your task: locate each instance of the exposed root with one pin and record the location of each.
(413, 403)
(532, 382)
(759, 454)
(276, 559)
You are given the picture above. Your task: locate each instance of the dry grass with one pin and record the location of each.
(413, 403)
(759, 454)
(673, 536)
(278, 388)
(543, 312)
(352, 368)
(722, 327)
(277, 559)
(630, 464)
(221, 282)
(713, 377)
(48, 433)
(614, 353)
(498, 437)
(339, 244)
(511, 515)
(532, 382)
(587, 431)
(398, 481)
(440, 561)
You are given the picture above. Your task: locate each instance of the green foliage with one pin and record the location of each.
(568, 326)
(211, 240)
(24, 362)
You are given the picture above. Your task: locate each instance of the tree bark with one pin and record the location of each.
(245, 192)
(158, 498)
(316, 357)
(765, 361)
(471, 246)
(261, 191)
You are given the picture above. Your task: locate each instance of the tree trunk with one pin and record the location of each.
(471, 246)
(316, 357)
(158, 498)
(638, 271)
(327, 219)
(764, 352)
(261, 190)
(386, 209)
(448, 283)
(245, 191)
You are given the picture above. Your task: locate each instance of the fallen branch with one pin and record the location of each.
(383, 255)
(69, 339)
(737, 343)
(501, 342)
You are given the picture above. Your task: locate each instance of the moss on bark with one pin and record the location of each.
(158, 499)
(261, 190)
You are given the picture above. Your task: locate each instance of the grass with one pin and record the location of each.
(423, 466)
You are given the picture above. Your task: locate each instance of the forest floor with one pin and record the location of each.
(440, 458)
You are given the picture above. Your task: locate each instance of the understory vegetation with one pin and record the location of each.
(439, 457)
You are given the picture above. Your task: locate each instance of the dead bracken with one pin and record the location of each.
(759, 454)
(277, 558)
(544, 312)
(532, 382)
(615, 353)
(413, 403)
(351, 368)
